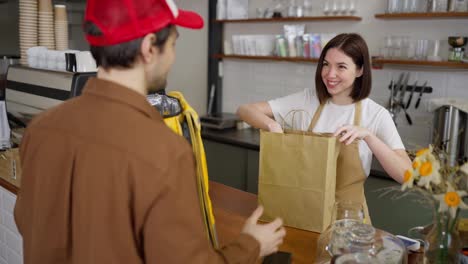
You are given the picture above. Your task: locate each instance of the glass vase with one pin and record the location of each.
(443, 242)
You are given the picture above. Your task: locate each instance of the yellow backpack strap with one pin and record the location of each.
(174, 124)
(193, 122)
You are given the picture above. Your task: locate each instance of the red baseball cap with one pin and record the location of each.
(125, 20)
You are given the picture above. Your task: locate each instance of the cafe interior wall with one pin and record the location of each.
(251, 81)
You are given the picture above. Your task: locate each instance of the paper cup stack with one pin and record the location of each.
(61, 27)
(46, 24)
(27, 27)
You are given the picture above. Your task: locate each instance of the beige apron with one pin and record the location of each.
(350, 175)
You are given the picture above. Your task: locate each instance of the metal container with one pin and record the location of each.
(450, 133)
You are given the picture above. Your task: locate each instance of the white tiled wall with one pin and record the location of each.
(250, 81)
(11, 243)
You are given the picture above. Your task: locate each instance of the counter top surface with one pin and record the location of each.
(232, 207)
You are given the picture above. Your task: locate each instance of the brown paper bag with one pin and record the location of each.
(297, 178)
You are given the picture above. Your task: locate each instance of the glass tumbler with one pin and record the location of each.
(348, 210)
(421, 49)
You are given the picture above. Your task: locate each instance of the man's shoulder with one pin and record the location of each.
(52, 115)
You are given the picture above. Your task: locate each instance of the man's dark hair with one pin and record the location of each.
(121, 55)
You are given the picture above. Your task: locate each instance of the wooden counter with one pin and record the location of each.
(232, 207)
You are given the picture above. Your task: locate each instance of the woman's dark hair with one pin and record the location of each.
(354, 46)
(122, 55)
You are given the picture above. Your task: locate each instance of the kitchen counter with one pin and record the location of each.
(248, 138)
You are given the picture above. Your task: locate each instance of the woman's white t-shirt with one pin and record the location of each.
(373, 117)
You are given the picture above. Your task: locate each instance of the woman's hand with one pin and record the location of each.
(349, 133)
(275, 127)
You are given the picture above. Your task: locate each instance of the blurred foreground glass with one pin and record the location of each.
(348, 210)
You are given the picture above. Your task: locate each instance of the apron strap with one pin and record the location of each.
(357, 114)
(318, 112)
(316, 117)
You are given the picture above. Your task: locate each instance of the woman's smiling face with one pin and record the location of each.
(338, 74)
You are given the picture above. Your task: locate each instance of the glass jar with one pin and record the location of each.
(347, 239)
(443, 242)
(355, 258)
(438, 5)
(394, 6)
(456, 54)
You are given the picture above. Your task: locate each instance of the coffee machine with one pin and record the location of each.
(450, 133)
(30, 91)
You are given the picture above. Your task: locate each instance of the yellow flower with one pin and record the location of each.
(429, 172)
(426, 169)
(451, 200)
(416, 164)
(421, 152)
(408, 179)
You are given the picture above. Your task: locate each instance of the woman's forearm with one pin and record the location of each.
(256, 117)
(394, 162)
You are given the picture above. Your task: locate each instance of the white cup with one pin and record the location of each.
(85, 62)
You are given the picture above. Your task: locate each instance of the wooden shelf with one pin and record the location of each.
(292, 19)
(440, 15)
(441, 64)
(269, 58)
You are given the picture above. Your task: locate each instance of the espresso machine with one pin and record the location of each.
(30, 91)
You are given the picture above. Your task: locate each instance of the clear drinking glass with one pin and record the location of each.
(404, 46)
(343, 6)
(327, 7)
(348, 210)
(393, 6)
(389, 46)
(335, 8)
(423, 6)
(413, 6)
(397, 46)
(352, 7)
(405, 7)
(421, 49)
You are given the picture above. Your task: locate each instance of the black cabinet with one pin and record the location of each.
(233, 166)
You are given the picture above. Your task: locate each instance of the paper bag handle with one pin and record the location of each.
(293, 112)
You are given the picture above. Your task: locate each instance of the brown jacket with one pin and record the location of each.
(105, 181)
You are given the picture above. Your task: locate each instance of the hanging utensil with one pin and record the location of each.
(420, 95)
(403, 89)
(408, 117)
(411, 94)
(398, 84)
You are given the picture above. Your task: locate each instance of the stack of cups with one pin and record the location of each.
(46, 24)
(61, 27)
(27, 27)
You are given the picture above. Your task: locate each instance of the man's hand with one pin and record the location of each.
(270, 236)
(349, 133)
